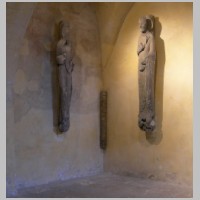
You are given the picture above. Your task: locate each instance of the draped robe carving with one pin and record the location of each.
(146, 71)
(65, 65)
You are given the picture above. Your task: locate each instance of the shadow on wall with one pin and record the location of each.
(156, 136)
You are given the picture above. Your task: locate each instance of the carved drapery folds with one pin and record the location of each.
(146, 71)
(65, 65)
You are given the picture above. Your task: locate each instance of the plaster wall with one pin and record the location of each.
(110, 17)
(36, 153)
(167, 153)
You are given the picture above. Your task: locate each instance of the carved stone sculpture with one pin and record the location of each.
(146, 69)
(103, 119)
(65, 65)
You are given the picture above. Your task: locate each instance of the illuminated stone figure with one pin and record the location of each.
(146, 69)
(65, 65)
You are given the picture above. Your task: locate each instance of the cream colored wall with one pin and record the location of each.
(166, 154)
(110, 17)
(36, 154)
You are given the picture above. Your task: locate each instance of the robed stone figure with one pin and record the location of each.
(65, 66)
(146, 71)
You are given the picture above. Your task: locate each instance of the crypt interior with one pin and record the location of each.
(43, 162)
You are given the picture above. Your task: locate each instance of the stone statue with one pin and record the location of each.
(65, 65)
(146, 69)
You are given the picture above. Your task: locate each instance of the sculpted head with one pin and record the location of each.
(143, 24)
(64, 29)
(146, 23)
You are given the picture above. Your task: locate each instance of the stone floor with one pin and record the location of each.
(106, 186)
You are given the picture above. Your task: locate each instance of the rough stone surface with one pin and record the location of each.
(107, 186)
(64, 57)
(146, 51)
(103, 119)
